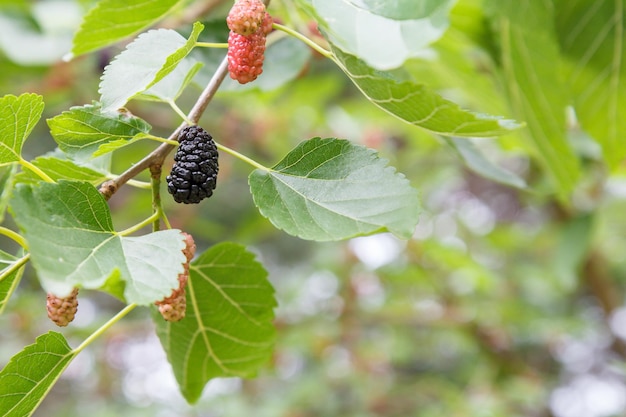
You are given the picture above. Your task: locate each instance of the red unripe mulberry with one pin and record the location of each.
(245, 56)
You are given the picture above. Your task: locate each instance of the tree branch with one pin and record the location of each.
(108, 188)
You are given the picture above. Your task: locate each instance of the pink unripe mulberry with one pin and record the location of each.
(246, 16)
(62, 310)
(245, 56)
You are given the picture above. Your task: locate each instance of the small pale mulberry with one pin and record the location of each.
(62, 310)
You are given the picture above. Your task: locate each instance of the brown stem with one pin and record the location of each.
(157, 156)
(602, 286)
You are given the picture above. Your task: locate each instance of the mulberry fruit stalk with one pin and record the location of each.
(173, 308)
(62, 310)
(246, 17)
(194, 173)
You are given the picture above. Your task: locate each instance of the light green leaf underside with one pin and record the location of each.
(331, 189)
(18, 117)
(116, 144)
(10, 275)
(172, 86)
(112, 20)
(530, 58)
(80, 131)
(593, 43)
(58, 169)
(477, 162)
(174, 59)
(29, 375)
(228, 328)
(418, 105)
(385, 34)
(72, 243)
(146, 61)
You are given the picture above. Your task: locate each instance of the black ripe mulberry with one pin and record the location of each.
(194, 174)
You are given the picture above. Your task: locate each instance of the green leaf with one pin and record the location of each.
(18, 117)
(228, 329)
(146, 61)
(172, 86)
(112, 20)
(383, 34)
(70, 235)
(417, 105)
(81, 130)
(10, 276)
(591, 35)
(530, 57)
(478, 163)
(30, 374)
(57, 168)
(114, 145)
(331, 189)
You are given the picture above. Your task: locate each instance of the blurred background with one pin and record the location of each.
(502, 304)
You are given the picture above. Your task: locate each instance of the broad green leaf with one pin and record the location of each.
(530, 57)
(18, 117)
(228, 329)
(146, 61)
(331, 189)
(57, 169)
(592, 39)
(81, 130)
(10, 275)
(72, 243)
(112, 20)
(383, 34)
(31, 373)
(478, 163)
(418, 105)
(172, 86)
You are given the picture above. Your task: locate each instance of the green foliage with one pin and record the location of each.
(536, 90)
(72, 243)
(417, 105)
(591, 36)
(145, 62)
(477, 162)
(112, 20)
(18, 116)
(81, 131)
(516, 250)
(330, 189)
(228, 331)
(402, 28)
(29, 375)
(10, 276)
